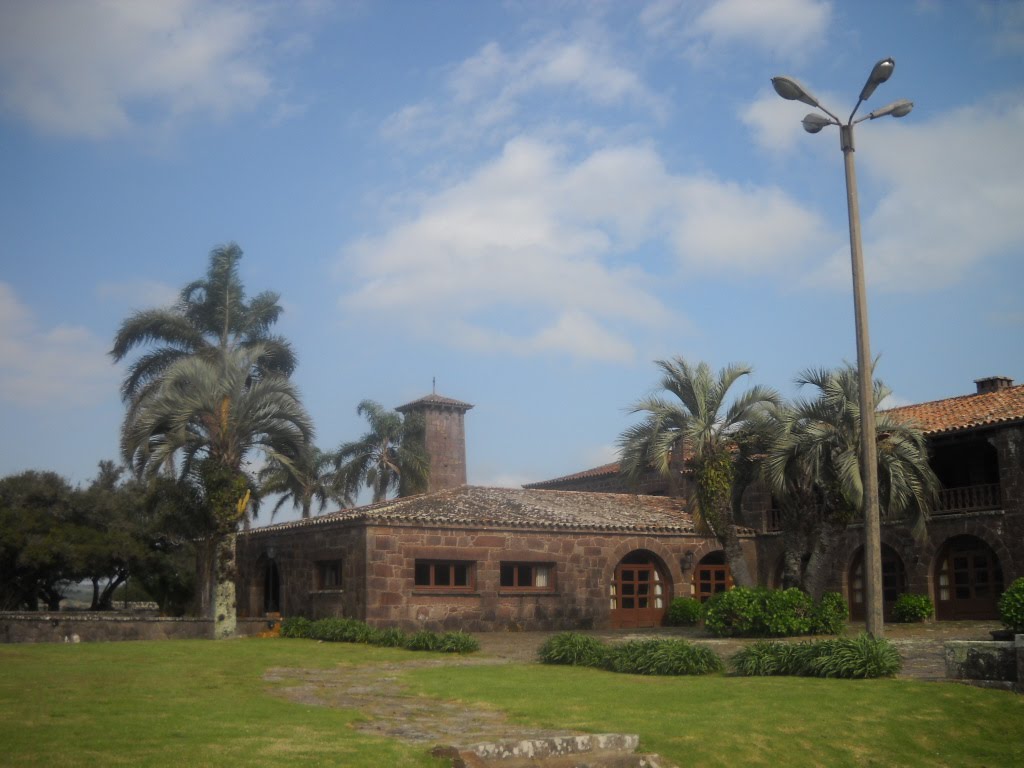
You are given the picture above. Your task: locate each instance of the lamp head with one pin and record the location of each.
(899, 108)
(792, 90)
(814, 122)
(881, 72)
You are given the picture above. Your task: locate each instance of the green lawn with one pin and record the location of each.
(204, 703)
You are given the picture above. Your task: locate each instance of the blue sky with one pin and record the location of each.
(529, 201)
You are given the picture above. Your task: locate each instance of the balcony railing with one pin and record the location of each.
(952, 501)
(969, 498)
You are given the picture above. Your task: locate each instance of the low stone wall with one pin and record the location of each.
(110, 627)
(987, 663)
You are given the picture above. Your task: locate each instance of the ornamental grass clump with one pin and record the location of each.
(858, 657)
(296, 627)
(457, 642)
(662, 657)
(912, 608)
(573, 649)
(390, 637)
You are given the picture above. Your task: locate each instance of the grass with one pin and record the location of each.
(729, 721)
(197, 703)
(180, 703)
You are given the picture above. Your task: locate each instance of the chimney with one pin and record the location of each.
(993, 384)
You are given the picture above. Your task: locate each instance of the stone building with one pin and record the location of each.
(588, 550)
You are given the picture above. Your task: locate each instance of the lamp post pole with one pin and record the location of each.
(789, 88)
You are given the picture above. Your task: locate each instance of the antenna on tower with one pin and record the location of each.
(434, 385)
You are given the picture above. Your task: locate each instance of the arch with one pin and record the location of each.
(894, 582)
(968, 579)
(711, 575)
(639, 590)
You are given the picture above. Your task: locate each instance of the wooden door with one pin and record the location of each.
(637, 595)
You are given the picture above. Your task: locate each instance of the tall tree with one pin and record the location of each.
(207, 417)
(698, 425)
(310, 479)
(813, 469)
(210, 317)
(390, 456)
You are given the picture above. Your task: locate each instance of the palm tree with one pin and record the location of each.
(210, 317)
(698, 426)
(813, 468)
(206, 418)
(389, 457)
(310, 478)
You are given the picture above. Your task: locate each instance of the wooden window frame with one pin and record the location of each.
(516, 566)
(323, 568)
(435, 566)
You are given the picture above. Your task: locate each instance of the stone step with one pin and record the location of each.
(607, 750)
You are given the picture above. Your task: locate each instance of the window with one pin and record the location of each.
(328, 574)
(536, 576)
(443, 574)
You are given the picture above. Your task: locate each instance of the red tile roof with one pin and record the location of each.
(516, 508)
(965, 412)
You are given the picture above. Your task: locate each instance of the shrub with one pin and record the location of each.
(786, 612)
(296, 627)
(662, 657)
(829, 615)
(684, 612)
(457, 642)
(859, 657)
(572, 648)
(759, 612)
(736, 612)
(1011, 606)
(910, 608)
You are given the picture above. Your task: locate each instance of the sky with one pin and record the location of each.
(528, 201)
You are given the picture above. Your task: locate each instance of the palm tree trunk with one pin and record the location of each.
(735, 556)
(826, 543)
(224, 604)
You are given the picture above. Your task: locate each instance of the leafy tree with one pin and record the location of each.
(36, 562)
(207, 417)
(697, 425)
(310, 479)
(813, 468)
(389, 457)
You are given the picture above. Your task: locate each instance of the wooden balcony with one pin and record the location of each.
(969, 498)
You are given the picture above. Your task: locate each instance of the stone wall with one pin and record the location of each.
(82, 627)
(446, 445)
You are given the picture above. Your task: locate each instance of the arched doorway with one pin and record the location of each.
(894, 583)
(968, 580)
(639, 591)
(271, 588)
(711, 576)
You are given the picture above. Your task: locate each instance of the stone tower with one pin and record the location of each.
(445, 436)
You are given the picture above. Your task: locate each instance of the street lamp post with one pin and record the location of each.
(788, 88)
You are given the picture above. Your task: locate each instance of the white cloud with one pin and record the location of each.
(486, 92)
(783, 28)
(96, 68)
(58, 367)
(773, 122)
(953, 195)
(532, 253)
